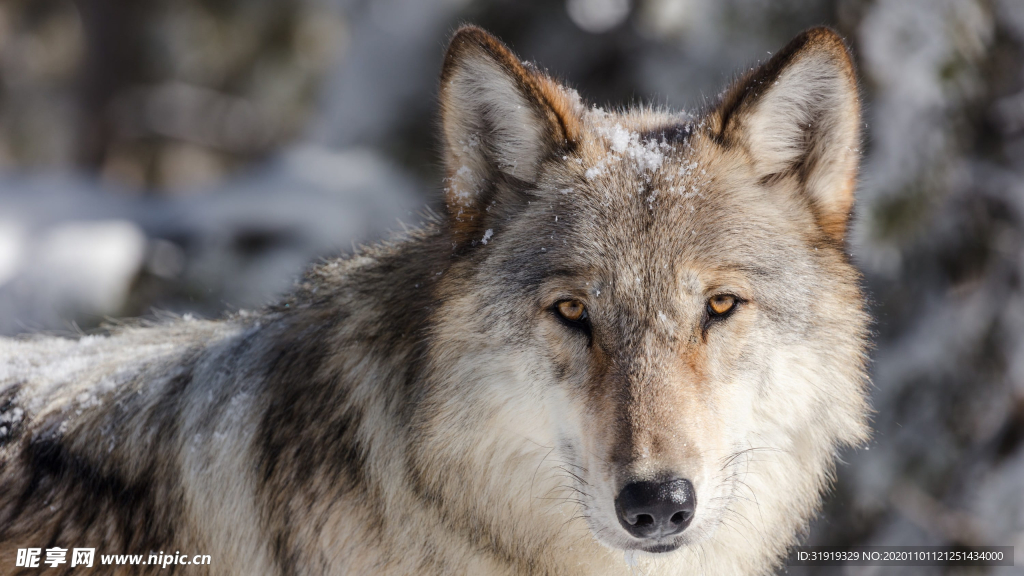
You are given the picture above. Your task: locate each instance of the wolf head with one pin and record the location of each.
(650, 324)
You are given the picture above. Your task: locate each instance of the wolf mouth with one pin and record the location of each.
(658, 548)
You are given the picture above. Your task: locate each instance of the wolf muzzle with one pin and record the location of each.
(655, 510)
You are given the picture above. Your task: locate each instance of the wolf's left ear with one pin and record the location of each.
(798, 116)
(500, 121)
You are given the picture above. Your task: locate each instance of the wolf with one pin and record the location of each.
(633, 345)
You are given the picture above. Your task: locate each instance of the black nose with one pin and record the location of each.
(656, 509)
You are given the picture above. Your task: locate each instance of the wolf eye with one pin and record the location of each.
(572, 310)
(721, 304)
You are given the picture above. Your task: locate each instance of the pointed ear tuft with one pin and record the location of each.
(500, 120)
(798, 116)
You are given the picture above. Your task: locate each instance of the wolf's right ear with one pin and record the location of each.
(500, 120)
(797, 117)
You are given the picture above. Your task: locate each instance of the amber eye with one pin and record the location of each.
(721, 304)
(572, 310)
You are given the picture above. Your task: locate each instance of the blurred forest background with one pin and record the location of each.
(194, 155)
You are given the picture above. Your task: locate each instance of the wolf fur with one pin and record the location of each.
(420, 408)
